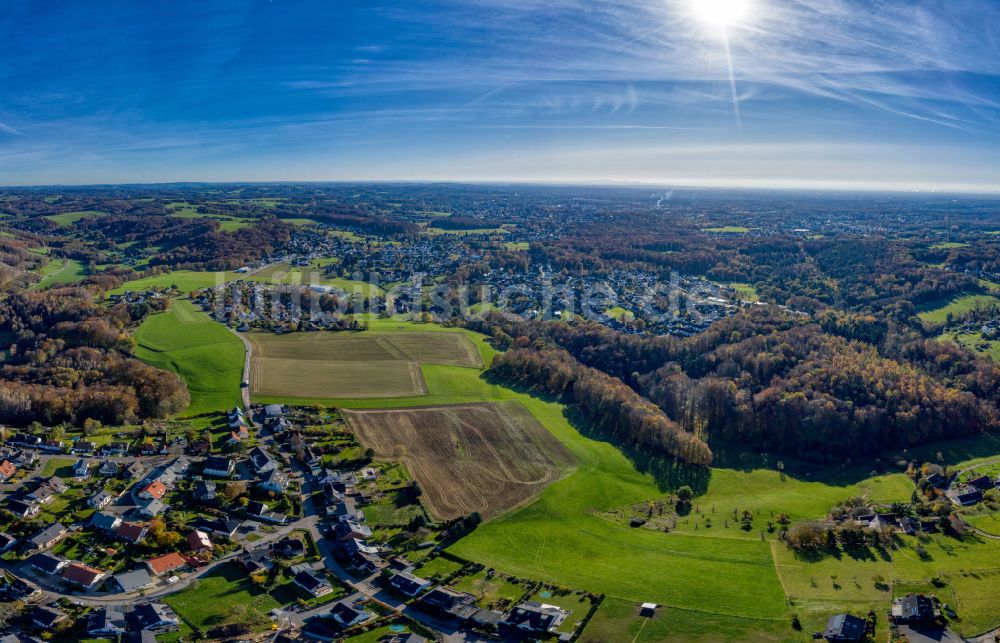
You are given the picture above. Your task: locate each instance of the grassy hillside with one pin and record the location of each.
(61, 271)
(204, 353)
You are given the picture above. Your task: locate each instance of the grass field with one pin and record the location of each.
(937, 312)
(975, 342)
(619, 620)
(204, 353)
(216, 595)
(69, 218)
(369, 364)
(746, 291)
(61, 271)
(185, 280)
(486, 458)
(949, 245)
(326, 365)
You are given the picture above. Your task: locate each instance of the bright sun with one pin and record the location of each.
(720, 14)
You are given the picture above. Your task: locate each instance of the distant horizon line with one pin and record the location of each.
(831, 187)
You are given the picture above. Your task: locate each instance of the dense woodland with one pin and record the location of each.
(820, 389)
(67, 361)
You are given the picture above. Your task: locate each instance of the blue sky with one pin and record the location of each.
(893, 94)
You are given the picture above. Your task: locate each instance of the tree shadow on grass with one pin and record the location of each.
(668, 473)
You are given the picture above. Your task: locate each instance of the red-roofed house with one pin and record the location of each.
(153, 491)
(82, 575)
(199, 541)
(7, 470)
(132, 532)
(167, 563)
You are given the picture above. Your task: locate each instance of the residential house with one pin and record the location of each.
(47, 563)
(105, 522)
(82, 575)
(100, 500)
(274, 411)
(134, 580)
(261, 511)
(83, 447)
(454, 605)
(52, 446)
(43, 494)
(47, 537)
(152, 509)
(7, 470)
(982, 483)
(22, 509)
(108, 468)
(915, 610)
(57, 484)
(273, 480)
(25, 440)
(167, 563)
(347, 511)
(239, 434)
(219, 467)
(346, 616)
(350, 530)
(199, 541)
(108, 621)
(47, 617)
(237, 418)
(262, 461)
(407, 584)
(153, 491)
(180, 466)
(969, 496)
(205, 491)
(116, 448)
(18, 589)
(406, 637)
(82, 468)
(289, 548)
(131, 532)
(844, 627)
(533, 618)
(7, 542)
(156, 617)
(370, 474)
(257, 560)
(134, 470)
(312, 583)
(217, 526)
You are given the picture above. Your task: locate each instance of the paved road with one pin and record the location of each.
(245, 390)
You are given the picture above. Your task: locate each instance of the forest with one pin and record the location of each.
(775, 381)
(67, 361)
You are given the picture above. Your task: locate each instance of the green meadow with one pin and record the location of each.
(204, 353)
(61, 271)
(937, 312)
(974, 342)
(949, 245)
(69, 218)
(185, 280)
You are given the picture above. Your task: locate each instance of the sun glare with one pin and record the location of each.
(720, 14)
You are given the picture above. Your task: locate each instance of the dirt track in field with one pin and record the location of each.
(472, 457)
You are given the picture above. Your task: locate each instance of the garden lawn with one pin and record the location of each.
(203, 352)
(619, 620)
(212, 598)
